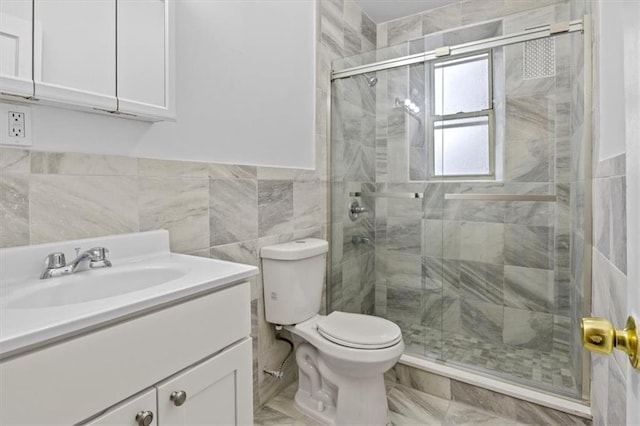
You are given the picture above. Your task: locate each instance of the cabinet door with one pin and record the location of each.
(218, 391)
(144, 75)
(16, 47)
(77, 54)
(124, 414)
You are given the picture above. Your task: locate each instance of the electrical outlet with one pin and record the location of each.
(15, 125)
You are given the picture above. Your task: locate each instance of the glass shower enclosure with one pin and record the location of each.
(458, 199)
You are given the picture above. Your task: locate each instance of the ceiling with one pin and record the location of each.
(386, 10)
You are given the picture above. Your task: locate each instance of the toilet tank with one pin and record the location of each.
(293, 275)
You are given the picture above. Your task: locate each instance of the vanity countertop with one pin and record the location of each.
(35, 312)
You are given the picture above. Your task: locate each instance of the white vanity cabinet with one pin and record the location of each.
(15, 48)
(200, 346)
(77, 60)
(140, 409)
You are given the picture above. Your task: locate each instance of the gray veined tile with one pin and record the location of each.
(528, 329)
(533, 414)
(491, 401)
(460, 414)
(419, 406)
(67, 208)
(233, 210)
(83, 164)
(404, 29)
(481, 281)
(309, 204)
(232, 171)
(167, 168)
(179, 205)
(529, 288)
(442, 18)
(527, 118)
(423, 381)
(14, 161)
(529, 246)
(482, 242)
(14, 210)
(482, 320)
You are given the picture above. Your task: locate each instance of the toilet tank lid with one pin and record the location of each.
(294, 250)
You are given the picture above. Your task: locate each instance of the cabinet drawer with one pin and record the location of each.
(70, 381)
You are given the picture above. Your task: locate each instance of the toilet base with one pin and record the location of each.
(309, 407)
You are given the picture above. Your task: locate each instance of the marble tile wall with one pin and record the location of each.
(353, 150)
(609, 286)
(211, 210)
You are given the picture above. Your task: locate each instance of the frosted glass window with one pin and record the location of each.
(461, 147)
(460, 126)
(461, 85)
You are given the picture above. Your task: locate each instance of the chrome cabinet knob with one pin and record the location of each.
(178, 397)
(144, 418)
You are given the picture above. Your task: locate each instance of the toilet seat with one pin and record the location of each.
(359, 331)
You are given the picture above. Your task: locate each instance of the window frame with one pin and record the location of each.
(489, 113)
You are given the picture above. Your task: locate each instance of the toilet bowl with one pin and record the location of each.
(341, 357)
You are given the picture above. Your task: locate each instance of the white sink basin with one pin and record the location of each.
(96, 284)
(145, 275)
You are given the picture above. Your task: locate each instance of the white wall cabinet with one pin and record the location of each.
(109, 375)
(98, 55)
(144, 61)
(78, 56)
(16, 48)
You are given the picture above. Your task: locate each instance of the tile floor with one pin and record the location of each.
(407, 406)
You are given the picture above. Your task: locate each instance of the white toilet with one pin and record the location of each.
(342, 356)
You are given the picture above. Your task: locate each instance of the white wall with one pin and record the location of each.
(245, 83)
(611, 94)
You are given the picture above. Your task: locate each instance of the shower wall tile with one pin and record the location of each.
(529, 288)
(403, 304)
(482, 242)
(528, 329)
(483, 211)
(14, 204)
(82, 164)
(484, 321)
(331, 28)
(403, 29)
(275, 207)
(561, 334)
(179, 205)
(529, 160)
(473, 11)
(403, 269)
(442, 18)
(528, 117)
(67, 208)
(405, 235)
(482, 282)
(528, 246)
(233, 210)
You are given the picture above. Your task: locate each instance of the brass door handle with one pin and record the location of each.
(598, 335)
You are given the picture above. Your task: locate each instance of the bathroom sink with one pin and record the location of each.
(144, 275)
(96, 284)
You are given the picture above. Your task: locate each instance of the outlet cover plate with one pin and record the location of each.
(5, 138)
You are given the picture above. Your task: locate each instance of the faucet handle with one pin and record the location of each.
(55, 260)
(98, 254)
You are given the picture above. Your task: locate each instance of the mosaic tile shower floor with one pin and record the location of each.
(550, 370)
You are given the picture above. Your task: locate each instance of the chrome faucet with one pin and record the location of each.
(56, 265)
